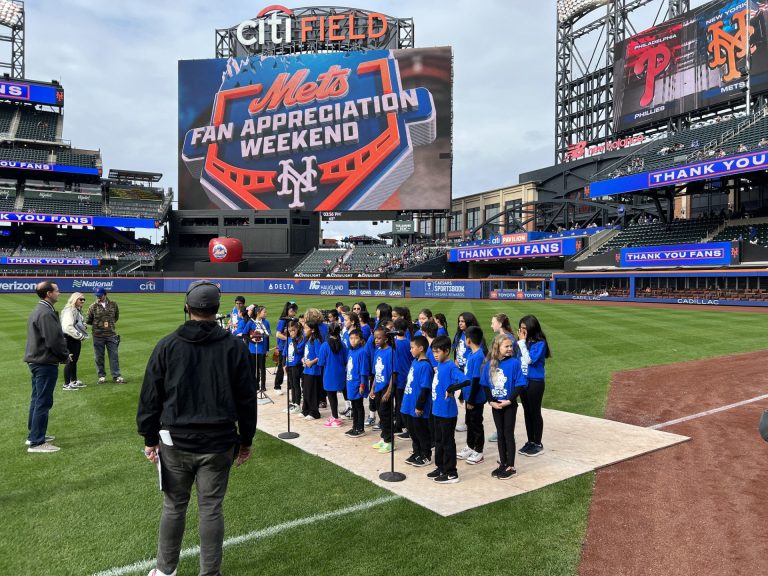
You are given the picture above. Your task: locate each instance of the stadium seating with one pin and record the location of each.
(320, 261)
(26, 155)
(74, 158)
(6, 117)
(134, 208)
(741, 231)
(50, 206)
(658, 233)
(37, 124)
(61, 253)
(371, 257)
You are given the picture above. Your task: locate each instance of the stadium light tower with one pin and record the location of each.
(12, 17)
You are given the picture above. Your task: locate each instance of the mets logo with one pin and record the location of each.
(313, 132)
(219, 251)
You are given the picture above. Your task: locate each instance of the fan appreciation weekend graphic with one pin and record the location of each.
(309, 132)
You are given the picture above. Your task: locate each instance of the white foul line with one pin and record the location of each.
(256, 534)
(707, 413)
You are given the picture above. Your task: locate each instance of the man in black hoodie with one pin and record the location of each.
(199, 399)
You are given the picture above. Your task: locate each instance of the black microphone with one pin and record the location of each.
(395, 333)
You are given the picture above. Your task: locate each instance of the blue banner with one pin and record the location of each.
(49, 261)
(712, 254)
(27, 92)
(445, 288)
(85, 285)
(45, 167)
(748, 162)
(556, 247)
(77, 220)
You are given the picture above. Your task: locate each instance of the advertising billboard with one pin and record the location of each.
(342, 131)
(555, 247)
(19, 90)
(711, 254)
(690, 62)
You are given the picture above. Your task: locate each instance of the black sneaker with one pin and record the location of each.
(349, 432)
(376, 426)
(506, 473)
(535, 450)
(434, 474)
(404, 435)
(421, 461)
(357, 433)
(447, 479)
(496, 472)
(525, 448)
(411, 459)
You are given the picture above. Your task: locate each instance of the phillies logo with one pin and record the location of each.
(315, 132)
(652, 62)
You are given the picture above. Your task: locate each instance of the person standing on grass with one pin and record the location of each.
(290, 310)
(383, 388)
(294, 357)
(474, 399)
(533, 350)
(417, 403)
(504, 380)
(46, 349)
(311, 382)
(358, 369)
(75, 331)
(103, 316)
(197, 414)
(260, 339)
(331, 360)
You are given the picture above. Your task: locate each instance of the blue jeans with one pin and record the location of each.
(44, 378)
(111, 344)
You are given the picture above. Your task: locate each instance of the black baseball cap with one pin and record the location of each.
(240, 299)
(203, 294)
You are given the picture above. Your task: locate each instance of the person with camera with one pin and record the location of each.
(75, 331)
(103, 316)
(197, 414)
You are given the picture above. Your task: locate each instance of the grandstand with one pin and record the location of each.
(659, 233)
(756, 233)
(37, 125)
(320, 261)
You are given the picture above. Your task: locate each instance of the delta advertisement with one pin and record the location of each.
(690, 62)
(339, 131)
(712, 254)
(554, 247)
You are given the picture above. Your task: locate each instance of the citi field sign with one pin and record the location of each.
(318, 132)
(275, 24)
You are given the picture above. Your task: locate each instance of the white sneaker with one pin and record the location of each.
(70, 386)
(102, 380)
(494, 437)
(156, 572)
(279, 392)
(47, 439)
(464, 453)
(475, 458)
(44, 448)
(79, 384)
(295, 410)
(461, 428)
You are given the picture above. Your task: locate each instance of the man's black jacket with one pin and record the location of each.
(197, 385)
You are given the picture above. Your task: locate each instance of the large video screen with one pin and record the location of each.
(31, 92)
(333, 132)
(691, 62)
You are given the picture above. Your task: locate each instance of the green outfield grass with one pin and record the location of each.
(94, 505)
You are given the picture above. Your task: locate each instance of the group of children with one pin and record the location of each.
(405, 371)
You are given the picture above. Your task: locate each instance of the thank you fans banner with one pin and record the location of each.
(712, 254)
(555, 247)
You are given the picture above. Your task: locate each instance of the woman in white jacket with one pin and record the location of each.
(75, 332)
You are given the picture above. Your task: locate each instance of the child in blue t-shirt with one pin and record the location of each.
(383, 387)
(533, 352)
(447, 380)
(429, 331)
(416, 405)
(403, 361)
(311, 376)
(358, 370)
(503, 379)
(260, 345)
(294, 352)
(332, 359)
(474, 398)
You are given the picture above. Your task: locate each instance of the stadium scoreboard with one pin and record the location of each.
(31, 92)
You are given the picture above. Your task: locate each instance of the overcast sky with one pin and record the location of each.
(117, 62)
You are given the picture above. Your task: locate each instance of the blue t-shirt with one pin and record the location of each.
(333, 367)
(473, 370)
(431, 357)
(403, 361)
(234, 318)
(382, 368)
(442, 331)
(447, 374)
(312, 351)
(419, 377)
(537, 353)
(240, 329)
(358, 369)
(324, 331)
(366, 330)
(294, 352)
(263, 346)
(461, 351)
(370, 348)
(345, 338)
(507, 376)
(280, 342)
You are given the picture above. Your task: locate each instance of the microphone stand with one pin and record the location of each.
(288, 435)
(391, 475)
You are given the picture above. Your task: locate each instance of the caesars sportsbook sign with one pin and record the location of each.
(338, 131)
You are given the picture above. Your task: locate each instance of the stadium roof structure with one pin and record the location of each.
(134, 176)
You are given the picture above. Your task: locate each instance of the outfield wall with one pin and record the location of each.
(691, 287)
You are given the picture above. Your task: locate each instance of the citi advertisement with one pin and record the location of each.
(690, 62)
(557, 247)
(69, 285)
(712, 254)
(322, 132)
(445, 289)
